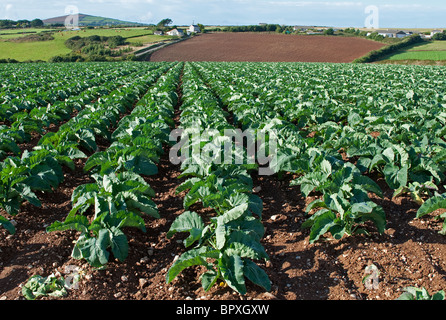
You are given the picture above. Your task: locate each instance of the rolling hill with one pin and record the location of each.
(86, 20)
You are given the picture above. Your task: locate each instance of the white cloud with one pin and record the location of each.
(147, 18)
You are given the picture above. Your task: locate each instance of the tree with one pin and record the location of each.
(329, 32)
(23, 23)
(201, 27)
(7, 24)
(439, 36)
(164, 23)
(36, 23)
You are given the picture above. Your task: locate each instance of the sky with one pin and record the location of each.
(336, 13)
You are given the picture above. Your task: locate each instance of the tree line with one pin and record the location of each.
(8, 24)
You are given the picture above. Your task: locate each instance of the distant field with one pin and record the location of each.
(260, 47)
(431, 46)
(148, 39)
(431, 51)
(123, 32)
(420, 55)
(11, 34)
(44, 50)
(39, 50)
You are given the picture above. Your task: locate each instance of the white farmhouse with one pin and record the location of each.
(176, 33)
(387, 33)
(193, 29)
(392, 33)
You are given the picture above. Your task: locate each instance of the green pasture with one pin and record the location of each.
(106, 32)
(148, 39)
(44, 50)
(432, 51)
(420, 55)
(38, 50)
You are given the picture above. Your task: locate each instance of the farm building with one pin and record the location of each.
(158, 33)
(303, 28)
(176, 32)
(193, 29)
(393, 33)
(401, 34)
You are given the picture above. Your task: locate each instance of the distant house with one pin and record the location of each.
(401, 34)
(176, 32)
(392, 33)
(193, 29)
(387, 33)
(158, 33)
(302, 28)
(314, 32)
(435, 32)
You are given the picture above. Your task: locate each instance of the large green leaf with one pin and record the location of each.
(245, 245)
(221, 231)
(5, 223)
(432, 204)
(370, 211)
(119, 244)
(193, 257)
(232, 270)
(144, 204)
(72, 222)
(322, 224)
(396, 177)
(93, 249)
(256, 274)
(208, 279)
(187, 222)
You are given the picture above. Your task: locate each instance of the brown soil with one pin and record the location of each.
(264, 47)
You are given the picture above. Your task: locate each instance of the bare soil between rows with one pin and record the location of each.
(266, 47)
(410, 253)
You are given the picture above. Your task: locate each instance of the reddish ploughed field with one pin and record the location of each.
(263, 47)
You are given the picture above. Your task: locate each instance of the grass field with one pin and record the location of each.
(44, 50)
(39, 50)
(430, 46)
(148, 39)
(123, 32)
(420, 55)
(431, 51)
(19, 33)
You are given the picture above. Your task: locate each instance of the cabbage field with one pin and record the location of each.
(337, 134)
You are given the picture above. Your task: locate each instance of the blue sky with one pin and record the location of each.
(337, 13)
